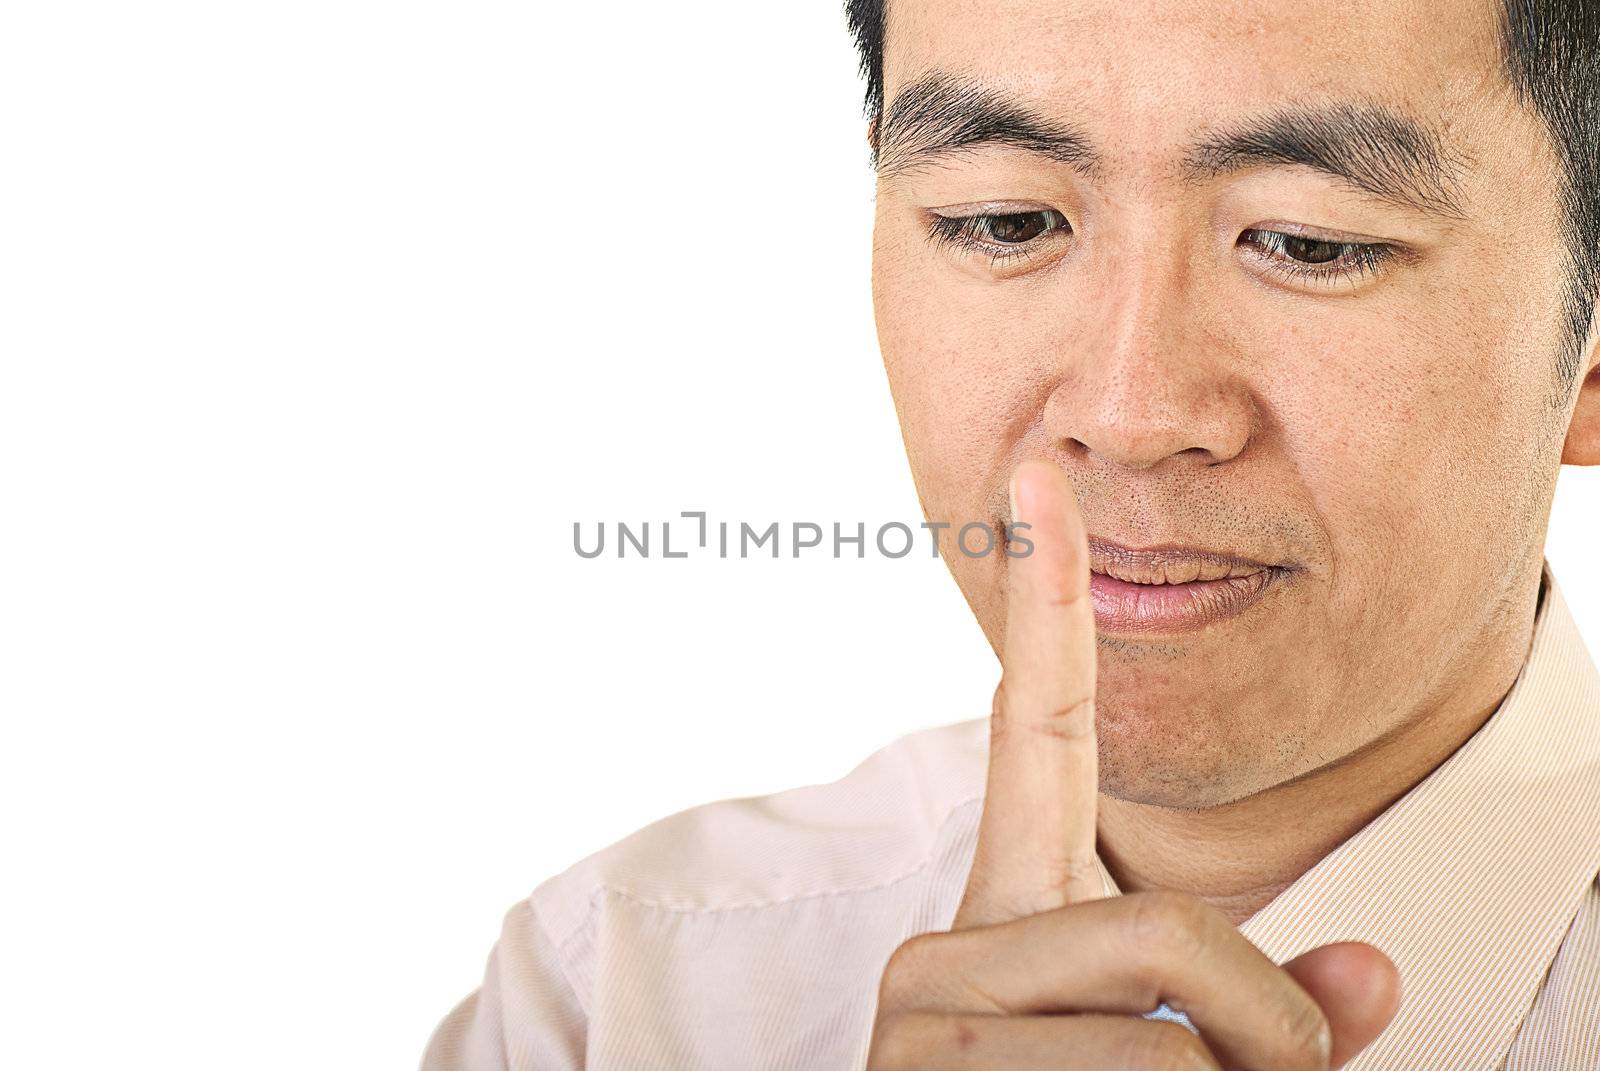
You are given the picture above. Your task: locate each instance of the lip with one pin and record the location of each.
(1171, 588)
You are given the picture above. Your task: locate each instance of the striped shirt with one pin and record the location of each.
(751, 933)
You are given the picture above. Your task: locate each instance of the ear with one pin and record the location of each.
(1583, 434)
(872, 134)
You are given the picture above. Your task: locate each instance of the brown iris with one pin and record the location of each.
(1017, 227)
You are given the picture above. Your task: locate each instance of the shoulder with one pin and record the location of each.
(878, 824)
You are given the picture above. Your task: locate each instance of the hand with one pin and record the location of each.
(1041, 969)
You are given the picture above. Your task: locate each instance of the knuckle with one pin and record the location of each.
(1068, 872)
(1073, 720)
(1307, 1037)
(906, 971)
(1170, 925)
(1069, 720)
(1000, 709)
(1159, 1046)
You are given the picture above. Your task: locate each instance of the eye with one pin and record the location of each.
(1318, 259)
(1000, 235)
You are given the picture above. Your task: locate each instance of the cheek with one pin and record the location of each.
(962, 380)
(1409, 440)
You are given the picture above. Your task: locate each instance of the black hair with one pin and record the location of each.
(1551, 53)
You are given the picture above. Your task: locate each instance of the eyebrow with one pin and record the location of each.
(940, 115)
(1368, 146)
(1373, 148)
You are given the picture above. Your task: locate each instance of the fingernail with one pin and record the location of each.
(1011, 487)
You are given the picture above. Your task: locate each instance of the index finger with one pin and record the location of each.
(1036, 837)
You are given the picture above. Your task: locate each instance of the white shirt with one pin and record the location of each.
(751, 933)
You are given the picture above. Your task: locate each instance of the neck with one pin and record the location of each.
(1240, 855)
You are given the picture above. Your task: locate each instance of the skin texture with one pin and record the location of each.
(1395, 438)
(991, 991)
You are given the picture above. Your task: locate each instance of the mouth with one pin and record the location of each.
(1169, 589)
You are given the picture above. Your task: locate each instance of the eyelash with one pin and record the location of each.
(959, 232)
(1352, 261)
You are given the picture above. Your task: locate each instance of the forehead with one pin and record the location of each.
(1169, 61)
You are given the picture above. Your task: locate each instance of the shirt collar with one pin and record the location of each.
(1470, 880)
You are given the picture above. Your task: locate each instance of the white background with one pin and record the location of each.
(323, 322)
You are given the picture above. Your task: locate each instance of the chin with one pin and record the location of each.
(1182, 764)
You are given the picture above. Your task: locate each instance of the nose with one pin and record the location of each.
(1144, 379)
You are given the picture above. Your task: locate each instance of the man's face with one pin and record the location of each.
(1352, 377)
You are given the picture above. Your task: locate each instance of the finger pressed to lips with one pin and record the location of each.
(1039, 968)
(1036, 836)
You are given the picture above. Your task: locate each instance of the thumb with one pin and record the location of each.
(1358, 989)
